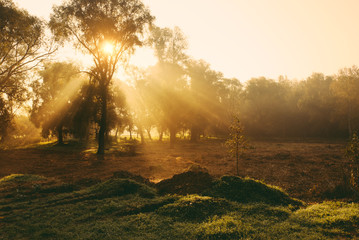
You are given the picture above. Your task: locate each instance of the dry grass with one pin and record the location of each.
(303, 169)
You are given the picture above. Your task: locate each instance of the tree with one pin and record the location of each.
(230, 95)
(204, 99)
(168, 77)
(264, 107)
(317, 103)
(54, 95)
(108, 31)
(237, 143)
(346, 89)
(22, 48)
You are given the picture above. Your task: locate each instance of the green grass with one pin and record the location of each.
(124, 209)
(247, 190)
(16, 178)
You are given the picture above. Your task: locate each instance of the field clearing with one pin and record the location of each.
(306, 170)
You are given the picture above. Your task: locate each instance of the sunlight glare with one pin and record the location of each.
(107, 48)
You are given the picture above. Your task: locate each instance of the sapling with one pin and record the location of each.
(237, 143)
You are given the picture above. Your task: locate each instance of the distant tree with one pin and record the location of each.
(108, 31)
(230, 97)
(264, 107)
(237, 142)
(54, 93)
(168, 77)
(352, 153)
(346, 88)
(317, 103)
(204, 100)
(22, 48)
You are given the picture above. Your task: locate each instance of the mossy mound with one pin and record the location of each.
(120, 187)
(195, 208)
(225, 227)
(191, 182)
(21, 178)
(246, 190)
(128, 175)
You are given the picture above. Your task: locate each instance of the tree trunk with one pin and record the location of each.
(149, 134)
(103, 121)
(160, 133)
(60, 137)
(194, 134)
(172, 137)
(116, 134)
(140, 131)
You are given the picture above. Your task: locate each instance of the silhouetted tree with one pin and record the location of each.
(346, 89)
(53, 96)
(93, 25)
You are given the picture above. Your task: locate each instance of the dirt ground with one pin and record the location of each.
(304, 169)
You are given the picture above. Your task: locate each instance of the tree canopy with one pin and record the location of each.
(108, 31)
(23, 46)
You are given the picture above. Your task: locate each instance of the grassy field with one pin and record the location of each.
(66, 192)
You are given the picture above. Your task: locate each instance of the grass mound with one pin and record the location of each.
(21, 178)
(340, 215)
(195, 208)
(191, 182)
(120, 187)
(246, 190)
(128, 175)
(225, 227)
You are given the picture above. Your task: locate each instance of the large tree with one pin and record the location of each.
(168, 77)
(107, 30)
(22, 48)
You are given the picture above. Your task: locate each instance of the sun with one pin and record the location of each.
(107, 48)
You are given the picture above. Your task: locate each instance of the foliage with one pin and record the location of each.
(167, 79)
(237, 143)
(346, 90)
(53, 95)
(352, 153)
(22, 48)
(91, 25)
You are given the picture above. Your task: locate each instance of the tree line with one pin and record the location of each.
(177, 97)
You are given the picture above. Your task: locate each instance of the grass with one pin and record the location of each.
(120, 208)
(247, 190)
(15, 178)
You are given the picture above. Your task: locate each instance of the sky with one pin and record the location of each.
(253, 38)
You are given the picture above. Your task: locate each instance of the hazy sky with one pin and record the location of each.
(251, 38)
